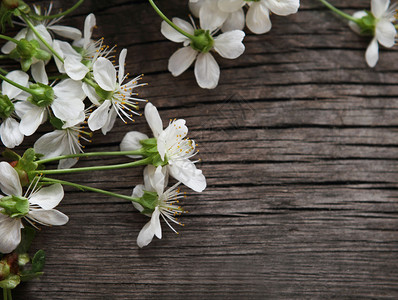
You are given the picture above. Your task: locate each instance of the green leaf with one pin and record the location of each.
(10, 282)
(38, 261)
(28, 234)
(10, 155)
(27, 162)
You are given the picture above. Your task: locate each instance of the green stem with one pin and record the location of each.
(61, 14)
(136, 152)
(5, 294)
(90, 82)
(4, 56)
(91, 189)
(339, 12)
(2, 71)
(141, 162)
(21, 87)
(9, 295)
(32, 27)
(158, 11)
(4, 37)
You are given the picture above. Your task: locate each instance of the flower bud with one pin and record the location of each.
(203, 41)
(6, 107)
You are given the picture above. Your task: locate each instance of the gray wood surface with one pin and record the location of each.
(299, 144)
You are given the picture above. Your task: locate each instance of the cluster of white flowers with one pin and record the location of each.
(215, 15)
(36, 205)
(174, 148)
(230, 15)
(86, 72)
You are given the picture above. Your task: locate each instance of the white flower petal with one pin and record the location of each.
(52, 144)
(104, 74)
(99, 116)
(67, 109)
(186, 172)
(66, 31)
(194, 7)
(235, 21)
(110, 121)
(153, 118)
(150, 229)
(10, 232)
(157, 178)
(48, 197)
(385, 33)
(131, 142)
(181, 60)
(31, 120)
(230, 5)
(138, 192)
(49, 217)
(122, 59)
(379, 7)
(69, 88)
(283, 7)
(39, 72)
(257, 18)
(372, 53)
(44, 33)
(89, 24)
(74, 68)
(9, 46)
(10, 134)
(207, 71)
(17, 76)
(91, 94)
(229, 44)
(210, 16)
(9, 180)
(173, 35)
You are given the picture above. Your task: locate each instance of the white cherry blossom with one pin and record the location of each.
(207, 72)
(172, 146)
(384, 32)
(41, 207)
(167, 207)
(119, 101)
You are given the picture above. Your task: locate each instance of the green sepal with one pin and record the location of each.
(104, 95)
(42, 95)
(10, 282)
(27, 162)
(57, 123)
(149, 142)
(14, 206)
(149, 201)
(367, 24)
(26, 275)
(203, 41)
(26, 63)
(6, 107)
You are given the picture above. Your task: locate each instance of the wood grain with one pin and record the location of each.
(299, 143)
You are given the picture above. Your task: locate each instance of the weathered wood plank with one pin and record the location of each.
(299, 145)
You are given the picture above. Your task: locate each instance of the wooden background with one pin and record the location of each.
(299, 144)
